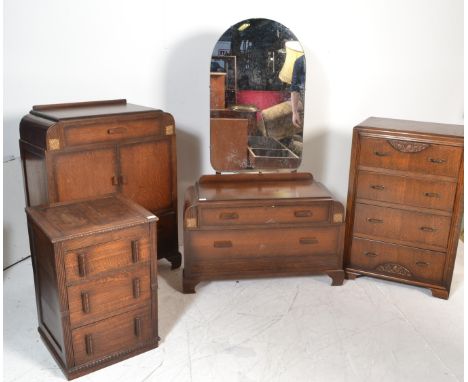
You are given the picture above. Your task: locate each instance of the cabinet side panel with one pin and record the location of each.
(34, 176)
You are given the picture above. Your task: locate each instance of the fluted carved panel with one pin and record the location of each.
(394, 268)
(408, 147)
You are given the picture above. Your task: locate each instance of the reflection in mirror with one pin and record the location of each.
(257, 86)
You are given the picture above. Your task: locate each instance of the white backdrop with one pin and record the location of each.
(398, 59)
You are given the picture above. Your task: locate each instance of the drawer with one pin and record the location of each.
(397, 260)
(90, 261)
(272, 249)
(272, 214)
(410, 156)
(97, 299)
(405, 190)
(113, 335)
(112, 131)
(392, 223)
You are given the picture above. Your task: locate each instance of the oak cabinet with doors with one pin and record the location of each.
(87, 149)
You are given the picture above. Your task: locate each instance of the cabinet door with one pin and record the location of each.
(146, 173)
(83, 174)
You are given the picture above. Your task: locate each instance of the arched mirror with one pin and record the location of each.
(257, 86)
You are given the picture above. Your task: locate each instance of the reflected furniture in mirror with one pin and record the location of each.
(265, 219)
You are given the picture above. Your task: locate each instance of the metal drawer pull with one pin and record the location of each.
(303, 214)
(381, 154)
(117, 130)
(373, 220)
(370, 254)
(422, 264)
(308, 240)
(377, 187)
(438, 161)
(85, 302)
(428, 229)
(135, 251)
(89, 344)
(228, 216)
(222, 244)
(432, 194)
(136, 288)
(81, 264)
(137, 326)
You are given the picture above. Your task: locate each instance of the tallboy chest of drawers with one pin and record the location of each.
(95, 274)
(405, 202)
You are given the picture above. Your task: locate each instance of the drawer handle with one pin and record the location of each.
(308, 240)
(432, 194)
(377, 187)
(123, 179)
(381, 154)
(135, 251)
(373, 220)
(428, 229)
(137, 326)
(228, 216)
(115, 181)
(82, 264)
(222, 244)
(422, 264)
(438, 161)
(136, 288)
(85, 302)
(89, 344)
(370, 254)
(303, 214)
(117, 130)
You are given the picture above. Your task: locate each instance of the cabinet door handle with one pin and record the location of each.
(137, 326)
(377, 187)
(85, 302)
(136, 288)
(89, 344)
(381, 154)
(432, 194)
(422, 264)
(437, 161)
(428, 229)
(82, 264)
(123, 179)
(135, 251)
(115, 181)
(308, 240)
(228, 216)
(303, 214)
(370, 254)
(222, 244)
(375, 221)
(117, 130)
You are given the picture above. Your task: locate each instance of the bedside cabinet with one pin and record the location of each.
(405, 202)
(95, 275)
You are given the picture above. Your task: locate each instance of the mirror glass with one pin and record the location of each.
(257, 86)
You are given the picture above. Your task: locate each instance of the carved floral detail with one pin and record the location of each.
(394, 268)
(408, 147)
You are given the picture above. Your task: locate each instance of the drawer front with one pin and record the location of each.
(116, 334)
(90, 261)
(113, 131)
(264, 249)
(272, 214)
(406, 190)
(397, 260)
(392, 223)
(97, 299)
(410, 156)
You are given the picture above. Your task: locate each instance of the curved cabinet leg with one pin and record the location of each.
(188, 284)
(440, 293)
(337, 277)
(351, 275)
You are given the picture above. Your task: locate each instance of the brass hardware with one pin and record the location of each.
(89, 344)
(222, 244)
(370, 254)
(169, 130)
(117, 130)
(338, 218)
(428, 229)
(137, 326)
(308, 240)
(228, 216)
(381, 154)
(438, 161)
(85, 302)
(373, 220)
(135, 251)
(191, 223)
(422, 264)
(432, 194)
(136, 288)
(54, 144)
(81, 264)
(303, 214)
(377, 187)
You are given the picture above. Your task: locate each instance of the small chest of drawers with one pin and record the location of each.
(94, 265)
(405, 202)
